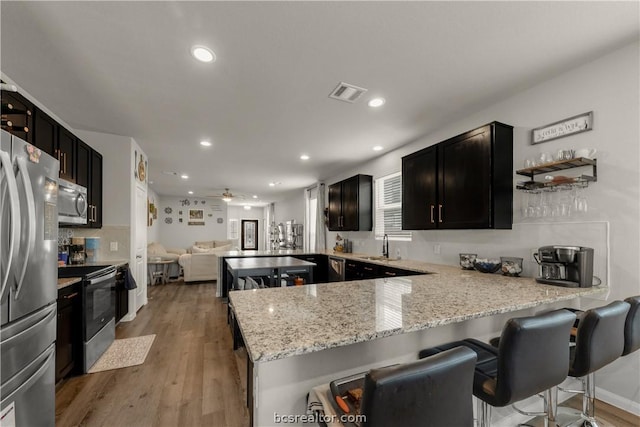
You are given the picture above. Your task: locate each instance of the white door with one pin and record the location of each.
(140, 245)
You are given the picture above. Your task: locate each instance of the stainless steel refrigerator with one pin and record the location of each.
(28, 275)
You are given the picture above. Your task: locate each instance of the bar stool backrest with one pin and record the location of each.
(435, 391)
(599, 338)
(533, 355)
(632, 326)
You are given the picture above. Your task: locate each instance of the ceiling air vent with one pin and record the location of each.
(346, 92)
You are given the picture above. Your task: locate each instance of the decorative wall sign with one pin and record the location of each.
(168, 210)
(566, 127)
(168, 220)
(196, 217)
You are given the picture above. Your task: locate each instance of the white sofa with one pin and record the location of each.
(157, 251)
(202, 262)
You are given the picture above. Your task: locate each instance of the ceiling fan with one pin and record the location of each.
(227, 196)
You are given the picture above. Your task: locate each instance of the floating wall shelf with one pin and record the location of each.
(556, 184)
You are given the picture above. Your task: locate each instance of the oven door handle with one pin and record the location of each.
(101, 278)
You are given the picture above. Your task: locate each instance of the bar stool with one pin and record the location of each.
(433, 392)
(599, 340)
(532, 357)
(632, 326)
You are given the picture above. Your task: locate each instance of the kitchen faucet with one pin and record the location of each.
(385, 246)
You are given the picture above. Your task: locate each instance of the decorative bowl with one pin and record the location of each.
(511, 266)
(484, 265)
(467, 260)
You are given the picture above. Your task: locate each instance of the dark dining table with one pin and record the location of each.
(274, 267)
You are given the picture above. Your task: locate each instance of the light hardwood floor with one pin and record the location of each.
(191, 376)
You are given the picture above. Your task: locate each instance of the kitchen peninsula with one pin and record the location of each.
(300, 337)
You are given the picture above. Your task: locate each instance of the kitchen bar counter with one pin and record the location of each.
(68, 281)
(302, 336)
(281, 322)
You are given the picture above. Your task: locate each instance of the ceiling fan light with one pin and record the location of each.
(226, 199)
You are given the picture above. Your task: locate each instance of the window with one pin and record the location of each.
(388, 208)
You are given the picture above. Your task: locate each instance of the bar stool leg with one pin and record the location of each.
(484, 413)
(551, 407)
(589, 399)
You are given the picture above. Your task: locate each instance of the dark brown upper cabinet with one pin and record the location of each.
(464, 182)
(350, 204)
(66, 154)
(17, 115)
(95, 191)
(45, 135)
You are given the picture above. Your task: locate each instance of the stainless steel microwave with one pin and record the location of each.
(72, 203)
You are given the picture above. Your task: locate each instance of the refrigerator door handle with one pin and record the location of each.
(48, 315)
(31, 213)
(14, 206)
(48, 356)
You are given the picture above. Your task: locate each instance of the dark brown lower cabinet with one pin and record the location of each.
(68, 330)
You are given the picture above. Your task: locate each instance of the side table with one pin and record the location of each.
(158, 270)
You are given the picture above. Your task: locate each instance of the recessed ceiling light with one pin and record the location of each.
(378, 148)
(272, 184)
(247, 207)
(190, 192)
(150, 182)
(184, 176)
(304, 157)
(376, 102)
(203, 53)
(255, 196)
(205, 143)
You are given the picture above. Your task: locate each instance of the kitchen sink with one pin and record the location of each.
(377, 258)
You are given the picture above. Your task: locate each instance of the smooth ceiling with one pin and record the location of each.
(125, 68)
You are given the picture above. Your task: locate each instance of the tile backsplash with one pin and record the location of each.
(107, 235)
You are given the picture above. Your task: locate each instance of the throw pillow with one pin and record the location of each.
(205, 244)
(199, 250)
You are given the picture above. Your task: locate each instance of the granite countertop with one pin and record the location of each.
(68, 281)
(282, 322)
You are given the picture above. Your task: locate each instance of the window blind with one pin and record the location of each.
(388, 208)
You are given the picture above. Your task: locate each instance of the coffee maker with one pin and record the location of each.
(77, 252)
(568, 266)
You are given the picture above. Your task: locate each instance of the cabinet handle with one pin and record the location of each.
(432, 220)
(95, 213)
(368, 268)
(75, 294)
(439, 213)
(389, 273)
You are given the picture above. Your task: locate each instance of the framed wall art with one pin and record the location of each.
(196, 217)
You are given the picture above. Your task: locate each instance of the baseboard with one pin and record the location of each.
(128, 317)
(627, 405)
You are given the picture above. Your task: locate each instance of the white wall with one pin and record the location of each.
(609, 86)
(292, 207)
(176, 234)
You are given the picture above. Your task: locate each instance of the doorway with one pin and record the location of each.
(249, 235)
